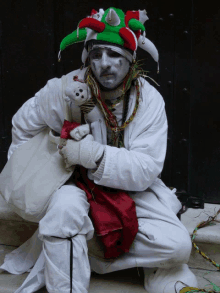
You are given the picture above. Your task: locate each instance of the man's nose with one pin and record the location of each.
(106, 61)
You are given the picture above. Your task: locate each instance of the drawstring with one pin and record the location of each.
(71, 259)
(71, 263)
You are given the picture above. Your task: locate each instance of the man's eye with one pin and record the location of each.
(96, 55)
(114, 54)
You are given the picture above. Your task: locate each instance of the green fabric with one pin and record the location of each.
(111, 33)
(135, 25)
(110, 37)
(72, 38)
(120, 14)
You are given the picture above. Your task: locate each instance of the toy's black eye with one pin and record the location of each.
(77, 94)
(81, 90)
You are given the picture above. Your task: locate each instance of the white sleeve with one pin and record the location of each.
(37, 113)
(136, 168)
(26, 123)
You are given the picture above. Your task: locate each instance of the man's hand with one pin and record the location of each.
(85, 152)
(79, 132)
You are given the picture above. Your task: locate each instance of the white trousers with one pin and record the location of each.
(161, 242)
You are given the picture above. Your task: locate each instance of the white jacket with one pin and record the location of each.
(133, 168)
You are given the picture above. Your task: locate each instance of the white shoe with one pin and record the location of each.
(166, 280)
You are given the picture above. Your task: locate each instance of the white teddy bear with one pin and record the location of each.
(79, 93)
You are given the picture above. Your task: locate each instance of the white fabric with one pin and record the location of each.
(36, 165)
(28, 252)
(70, 206)
(162, 241)
(132, 168)
(85, 152)
(36, 279)
(135, 167)
(57, 269)
(79, 132)
(119, 50)
(148, 46)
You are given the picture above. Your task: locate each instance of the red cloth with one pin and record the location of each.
(128, 38)
(113, 214)
(131, 14)
(67, 127)
(112, 211)
(92, 23)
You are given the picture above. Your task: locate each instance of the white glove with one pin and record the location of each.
(85, 152)
(79, 132)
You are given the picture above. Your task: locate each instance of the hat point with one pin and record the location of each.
(112, 18)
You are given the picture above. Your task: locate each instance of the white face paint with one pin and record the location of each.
(109, 67)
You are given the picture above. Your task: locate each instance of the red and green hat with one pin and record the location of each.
(115, 27)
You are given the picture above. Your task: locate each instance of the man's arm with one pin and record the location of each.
(43, 110)
(136, 168)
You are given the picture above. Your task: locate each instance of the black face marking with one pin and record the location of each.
(82, 97)
(77, 94)
(93, 63)
(120, 62)
(81, 90)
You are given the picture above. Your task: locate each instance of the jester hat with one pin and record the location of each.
(114, 27)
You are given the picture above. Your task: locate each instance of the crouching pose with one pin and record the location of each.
(122, 148)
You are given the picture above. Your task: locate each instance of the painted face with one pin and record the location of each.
(109, 67)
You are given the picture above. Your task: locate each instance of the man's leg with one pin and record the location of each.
(161, 242)
(66, 220)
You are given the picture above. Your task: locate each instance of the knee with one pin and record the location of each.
(67, 200)
(182, 249)
(67, 214)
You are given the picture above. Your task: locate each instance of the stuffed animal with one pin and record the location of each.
(78, 92)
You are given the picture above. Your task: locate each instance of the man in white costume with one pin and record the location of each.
(130, 160)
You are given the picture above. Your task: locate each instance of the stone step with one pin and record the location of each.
(119, 282)
(207, 239)
(126, 281)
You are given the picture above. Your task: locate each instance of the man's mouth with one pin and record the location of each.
(106, 74)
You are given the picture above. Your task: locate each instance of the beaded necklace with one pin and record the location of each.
(117, 101)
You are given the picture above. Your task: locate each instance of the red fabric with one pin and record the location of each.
(113, 214)
(133, 14)
(76, 78)
(137, 34)
(93, 12)
(92, 23)
(128, 38)
(112, 211)
(67, 127)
